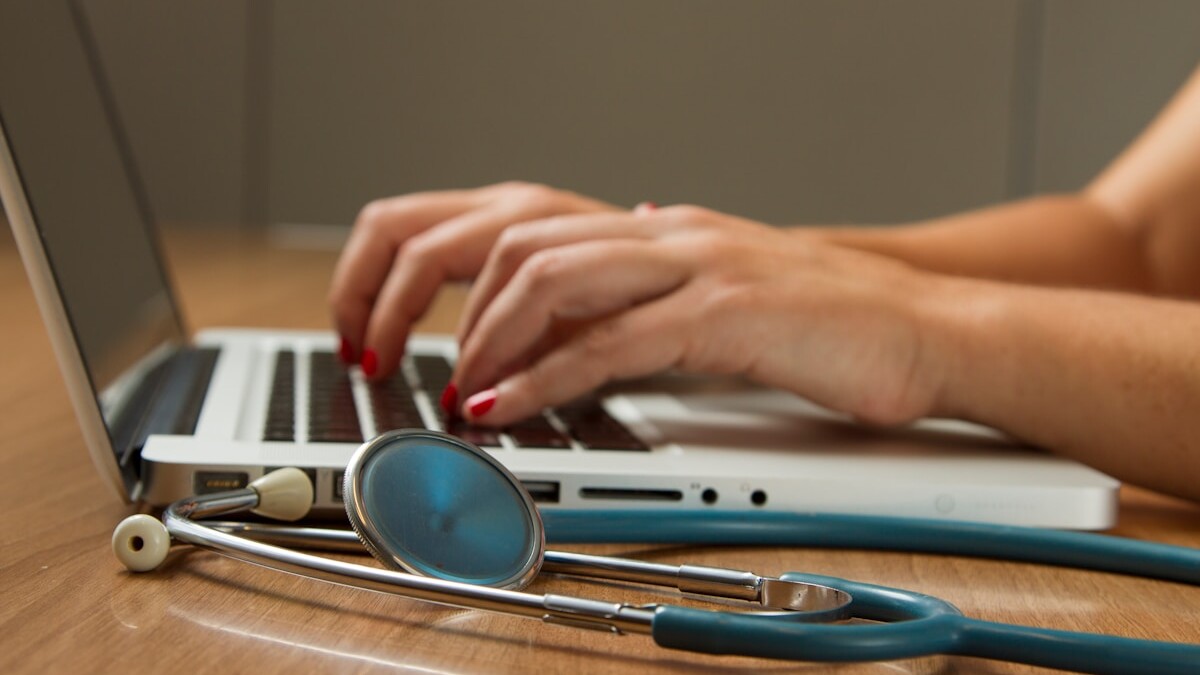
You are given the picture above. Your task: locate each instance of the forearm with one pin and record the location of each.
(1135, 227)
(1066, 240)
(1109, 379)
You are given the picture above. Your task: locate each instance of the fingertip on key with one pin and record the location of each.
(346, 352)
(479, 404)
(449, 400)
(370, 362)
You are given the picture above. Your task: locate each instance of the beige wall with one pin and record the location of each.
(1109, 66)
(178, 74)
(785, 110)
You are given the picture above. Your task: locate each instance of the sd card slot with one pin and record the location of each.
(631, 494)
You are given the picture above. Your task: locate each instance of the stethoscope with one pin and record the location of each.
(452, 525)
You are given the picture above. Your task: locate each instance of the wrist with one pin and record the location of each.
(960, 328)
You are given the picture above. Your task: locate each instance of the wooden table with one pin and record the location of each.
(68, 605)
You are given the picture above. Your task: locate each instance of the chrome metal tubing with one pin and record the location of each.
(312, 538)
(819, 603)
(605, 615)
(687, 578)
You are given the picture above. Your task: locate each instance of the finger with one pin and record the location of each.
(578, 281)
(518, 243)
(454, 250)
(379, 232)
(641, 341)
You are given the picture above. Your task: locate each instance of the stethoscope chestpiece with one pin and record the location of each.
(428, 503)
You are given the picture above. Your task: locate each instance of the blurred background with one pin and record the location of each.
(267, 113)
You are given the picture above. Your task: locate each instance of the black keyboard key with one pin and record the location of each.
(537, 432)
(392, 405)
(434, 373)
(617, 441)
(281, 409)
(283, 433)
(475, 435)
(334, 436)
(595, 429)
(332, 413)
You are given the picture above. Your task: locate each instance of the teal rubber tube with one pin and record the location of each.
(918, 535)
(918, 625)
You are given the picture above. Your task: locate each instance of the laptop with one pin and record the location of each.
(166, 414)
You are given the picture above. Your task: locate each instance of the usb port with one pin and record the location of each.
(542, 491)
(339, 479)
(208, 482)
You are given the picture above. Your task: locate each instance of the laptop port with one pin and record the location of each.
(631, 494)
(208, 482)
(542, 491)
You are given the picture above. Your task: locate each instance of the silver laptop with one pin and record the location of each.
(166, 415)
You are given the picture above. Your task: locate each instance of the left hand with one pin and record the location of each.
(699, 291)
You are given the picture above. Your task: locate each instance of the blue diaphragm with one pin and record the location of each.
(428, 503)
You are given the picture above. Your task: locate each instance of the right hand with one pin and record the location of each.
(402, 249)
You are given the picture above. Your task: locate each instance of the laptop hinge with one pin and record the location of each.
(169, 398)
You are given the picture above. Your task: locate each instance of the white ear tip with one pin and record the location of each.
(283, 494)
(141, 543)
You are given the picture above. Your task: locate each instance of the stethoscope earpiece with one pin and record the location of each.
(141, 543)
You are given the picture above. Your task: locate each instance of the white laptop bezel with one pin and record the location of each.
(58, 325)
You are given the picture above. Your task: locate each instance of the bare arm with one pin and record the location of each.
(1110, 379)
(1135, 228)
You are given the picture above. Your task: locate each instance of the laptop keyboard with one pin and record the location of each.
(333, 413)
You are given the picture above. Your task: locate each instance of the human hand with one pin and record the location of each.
(699, 291)
(402, 249)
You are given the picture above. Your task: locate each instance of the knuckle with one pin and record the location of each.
(343, 315)
(542, 270)
(373, 214)
(728, 300)
(689, 212)
(337, 298)
(511, 185)
(599, 342)
(708, 248)
(514, 245)
(419, 250)
(533, 197)
(536, 378)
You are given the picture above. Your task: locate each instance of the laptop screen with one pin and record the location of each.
(83, 196)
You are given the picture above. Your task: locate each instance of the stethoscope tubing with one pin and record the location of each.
(914, 535)
(917, 625)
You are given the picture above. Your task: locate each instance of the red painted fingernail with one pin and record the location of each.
(346, 352)
(450, 400)
(480, 403)
(645, 207)
(370, 362)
